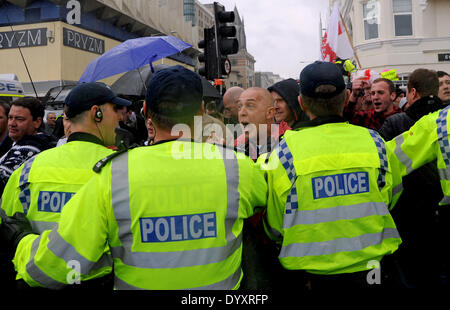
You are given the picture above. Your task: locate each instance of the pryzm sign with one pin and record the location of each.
(83, 41)
(23, 38)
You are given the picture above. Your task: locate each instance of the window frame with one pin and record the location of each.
(402, 13)
(365, 19)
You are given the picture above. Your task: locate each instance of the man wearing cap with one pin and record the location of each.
(171, 212)
(42, 186)
(285, 95)
(330, 187)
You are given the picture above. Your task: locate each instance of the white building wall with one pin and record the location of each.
(431, 36)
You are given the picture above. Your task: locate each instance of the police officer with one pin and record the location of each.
(44, 184)
(330, 187)
(426, 142)
(171, 213)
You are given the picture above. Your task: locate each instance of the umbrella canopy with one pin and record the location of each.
(132, 83)
(130, 55)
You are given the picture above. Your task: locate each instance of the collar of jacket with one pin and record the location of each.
(423, 106)
(39, 140)
(320, 121)
(86, 137)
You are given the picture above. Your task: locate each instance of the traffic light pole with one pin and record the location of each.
(216, 40)
(219, 42)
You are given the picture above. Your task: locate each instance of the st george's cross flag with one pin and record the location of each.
(335, 43)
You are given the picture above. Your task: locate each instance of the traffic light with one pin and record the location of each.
(226, 43)
(209, 55)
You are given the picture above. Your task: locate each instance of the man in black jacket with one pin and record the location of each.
(5, 140)
(422, 95)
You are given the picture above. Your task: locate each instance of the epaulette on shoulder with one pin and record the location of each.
(104, 161)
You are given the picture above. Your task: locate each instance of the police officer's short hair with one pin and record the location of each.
(78, 117)
(167, 122)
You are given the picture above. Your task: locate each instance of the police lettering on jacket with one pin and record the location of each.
(340, 184)
(53, 201)
(178, 228)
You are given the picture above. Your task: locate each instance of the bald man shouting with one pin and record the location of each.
(256, 114)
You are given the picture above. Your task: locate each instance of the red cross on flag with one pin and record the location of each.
(335, 42)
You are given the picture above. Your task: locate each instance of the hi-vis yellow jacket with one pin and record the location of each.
(172, 214)
(424, 142)
(330, 188)
(42, 186)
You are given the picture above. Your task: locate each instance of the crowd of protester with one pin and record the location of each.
(253, 121)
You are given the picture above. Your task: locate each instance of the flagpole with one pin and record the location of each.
(350, 40)
(320, 35)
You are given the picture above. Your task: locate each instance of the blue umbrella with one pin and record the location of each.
(130, 55)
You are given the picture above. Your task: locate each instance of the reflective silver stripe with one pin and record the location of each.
(229, 282)
(233, 196)
(274, 232)
(58, 246)
(121, 208)
(338, 245)
(310, 217)
(445, 200)
(444, 174)
(404, 159)
(37, 274)
(41, 226)
(160, 260)
(397, 189)
(122, 285)
(120, 197)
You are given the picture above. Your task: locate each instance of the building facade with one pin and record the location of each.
(266, 79)
(57, 53)
(399, 34)
(243, 62)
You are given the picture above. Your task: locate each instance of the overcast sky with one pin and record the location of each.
(282, 34)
